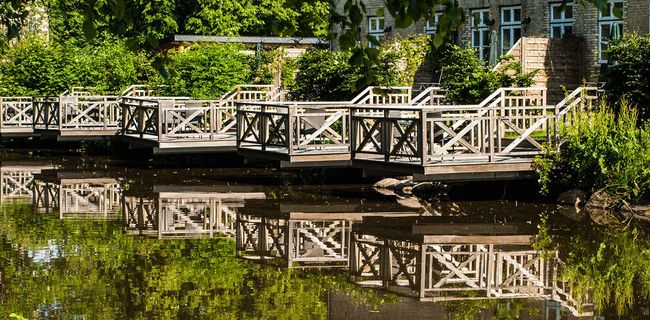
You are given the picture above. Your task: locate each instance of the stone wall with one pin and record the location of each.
(557, 62)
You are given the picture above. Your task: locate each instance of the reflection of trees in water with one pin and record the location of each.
(611, 263)
(99, 272)
(499, 309)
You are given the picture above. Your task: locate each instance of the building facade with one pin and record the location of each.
(545, 20)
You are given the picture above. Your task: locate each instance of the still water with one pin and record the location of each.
(95, 238)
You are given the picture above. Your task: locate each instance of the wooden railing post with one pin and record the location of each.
(492, 129)
(385, 141)
(161, 117)
(423, 142)
(140, 119)
(291, 122)
(239, 125)
(263, 126)
(353, 134)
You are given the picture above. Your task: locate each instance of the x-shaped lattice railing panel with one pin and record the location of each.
(16, 112)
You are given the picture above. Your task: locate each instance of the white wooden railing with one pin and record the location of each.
(383, 95)
(77, 112)
(16, 114)
(293, 127)
(169, 119)
(512, 122)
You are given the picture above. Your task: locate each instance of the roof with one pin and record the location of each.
(249, 39)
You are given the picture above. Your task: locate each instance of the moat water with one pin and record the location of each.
(99, 238)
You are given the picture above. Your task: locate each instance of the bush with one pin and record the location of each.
(601, 150)
(469, 81)
(629, 73)
(325, 75)
(269, 63)
(207, 71)
(33, 67)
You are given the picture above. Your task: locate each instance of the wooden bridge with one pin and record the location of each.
(313, 133)
(430, 261)
(497, 138)
(383, 130)
(181, 125)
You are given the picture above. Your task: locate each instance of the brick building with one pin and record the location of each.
(545, 27)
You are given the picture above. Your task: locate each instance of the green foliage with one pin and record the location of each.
(33, 67)
(207, 71)
(469, 81)
(12, 16)
(269, 64)
(60, 269)
(628, 75)
(601, 150)
(610, 266)
(325, 75)
(145, 23)
(257, 17)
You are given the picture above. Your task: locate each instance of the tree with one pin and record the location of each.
(12, 16)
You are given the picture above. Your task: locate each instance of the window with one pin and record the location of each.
(561, 20)
(432, 26)
(510, 27)
(610, 24)
(376, 29)
(481, 32)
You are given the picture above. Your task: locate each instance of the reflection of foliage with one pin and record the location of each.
(615, 268)
(499, 309)
(88, 268)
(610, 266)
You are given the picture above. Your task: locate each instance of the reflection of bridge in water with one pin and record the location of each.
(299, 235)
(76, 194)
(16, 180)
(442, 258)
(176, 211)
(433, 261)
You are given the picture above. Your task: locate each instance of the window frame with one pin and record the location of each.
(481, 27)
(613, 22)
(562, 22)
(509, 26)
(432, 30)
(379, 33)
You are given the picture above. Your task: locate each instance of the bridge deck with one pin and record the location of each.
(183, 144)
(16, 132)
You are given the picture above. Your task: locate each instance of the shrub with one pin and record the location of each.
(601, 150)
(207, 71)
(266, 66)
(33, 67)
(629, 73)
(469, 81)
(325, 75)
